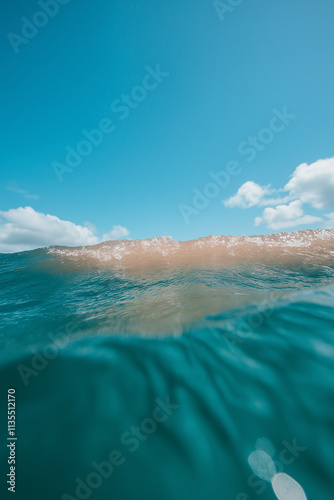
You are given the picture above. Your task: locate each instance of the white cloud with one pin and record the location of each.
(284, 216)
(90, 226)
(314, 183)
(309, 184)
(13, 187)
(116, 233)
(248, 195)
(251, 194)
(25, 229)
(329, 223)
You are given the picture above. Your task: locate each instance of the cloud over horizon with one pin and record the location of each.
(251, 194)
(309, 184)
(25, 229)
(284, 216)
(116, 233)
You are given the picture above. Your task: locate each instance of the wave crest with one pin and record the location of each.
(308, 246)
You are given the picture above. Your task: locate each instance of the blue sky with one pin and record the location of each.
(224, 74)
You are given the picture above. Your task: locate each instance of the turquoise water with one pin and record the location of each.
(169, 382)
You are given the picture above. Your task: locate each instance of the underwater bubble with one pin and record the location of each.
(286, 488)
(262, 464)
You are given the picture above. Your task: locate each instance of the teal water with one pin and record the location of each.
(172, 382)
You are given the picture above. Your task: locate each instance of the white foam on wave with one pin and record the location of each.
(306, 246)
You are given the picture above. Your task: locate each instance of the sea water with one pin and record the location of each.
(167, 370)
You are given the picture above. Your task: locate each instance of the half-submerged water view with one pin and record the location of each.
(167, 250)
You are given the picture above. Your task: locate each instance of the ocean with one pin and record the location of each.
(158, 369)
